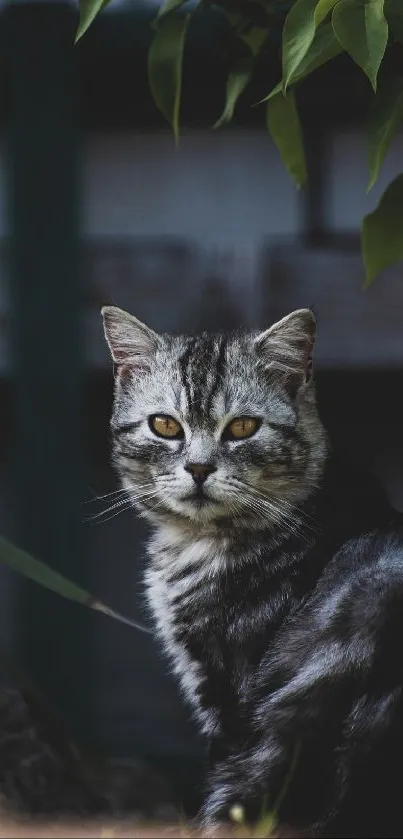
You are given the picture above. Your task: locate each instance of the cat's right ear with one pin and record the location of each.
(286, 348)
(132, 344)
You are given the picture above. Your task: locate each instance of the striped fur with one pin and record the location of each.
(277, 602)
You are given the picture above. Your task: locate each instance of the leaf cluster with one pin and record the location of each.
(313, 33)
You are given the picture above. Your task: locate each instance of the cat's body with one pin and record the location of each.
(276, 584)
(283, 644)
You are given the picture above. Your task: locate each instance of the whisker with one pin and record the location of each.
(117, 492)
(129, 501)
(283, 501)
(281, 512)
(129, 506)
(290, 518)
(92, 522)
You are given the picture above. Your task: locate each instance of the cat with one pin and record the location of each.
(275, 573)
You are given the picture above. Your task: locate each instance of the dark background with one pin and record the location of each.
(96, 207)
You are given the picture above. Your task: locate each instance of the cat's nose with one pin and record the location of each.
(200, 471)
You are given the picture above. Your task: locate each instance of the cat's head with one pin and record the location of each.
(219, 427)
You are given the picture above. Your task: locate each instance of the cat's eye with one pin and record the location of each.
(165, 426)
(241, 428)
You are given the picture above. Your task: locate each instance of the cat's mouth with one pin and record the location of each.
(200, 506)
(199, 498)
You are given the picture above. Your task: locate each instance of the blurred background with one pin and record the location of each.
(97, 206)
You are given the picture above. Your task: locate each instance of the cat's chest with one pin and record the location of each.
(216, 616)
(183, 591)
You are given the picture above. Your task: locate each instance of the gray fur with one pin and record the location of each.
(203, 383)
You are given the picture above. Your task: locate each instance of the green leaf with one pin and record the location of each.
(25, 564)
(322, 10)
(362, 30)
(385, 117)
(236, 83)
(382, 232)
(168, 6)
(298, 34)
(165, 58)
(277, 89)
(324, 47)
(266, 826)
(255, 39)
(239, 77)
(289, 777)
(285, 128)
(88, 12)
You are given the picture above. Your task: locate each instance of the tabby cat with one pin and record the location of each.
(275, 574)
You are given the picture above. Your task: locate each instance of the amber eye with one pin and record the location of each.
(241, 428)
(165, 426)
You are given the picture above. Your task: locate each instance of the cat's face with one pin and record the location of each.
(216, 427)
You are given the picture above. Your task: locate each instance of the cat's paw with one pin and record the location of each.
(217, 809)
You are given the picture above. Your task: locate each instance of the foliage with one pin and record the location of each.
(88, 11)
(382, 231)
(25, 564)
(314, 32)
(165, 65)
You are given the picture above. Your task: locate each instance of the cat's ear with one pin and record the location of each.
(132, 344)
(286, 348)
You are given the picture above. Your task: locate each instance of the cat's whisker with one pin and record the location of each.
(107, 497)
(292, 513)
(155, 506)
(280, 503)
(128, 501)
(285, 515)
(129, 506)
(109, 509)
(108, 518)
(254, 504)
(289, 520)
(116, 492)
(266, 511)
(305, 517)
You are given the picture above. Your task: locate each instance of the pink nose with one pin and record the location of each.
(200, 471)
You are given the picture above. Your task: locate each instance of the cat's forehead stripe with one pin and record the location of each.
(218, 372)
(201, 369)
(200, 372)
(184, 362)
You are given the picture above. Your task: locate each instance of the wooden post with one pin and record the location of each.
(45, 296)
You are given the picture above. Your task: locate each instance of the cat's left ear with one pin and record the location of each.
(132, 344)
(287, 347)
